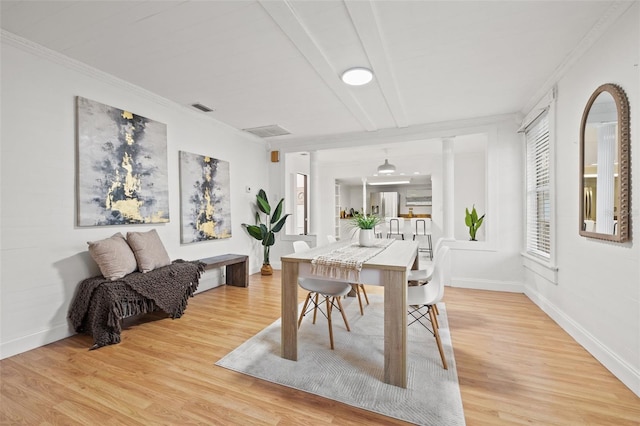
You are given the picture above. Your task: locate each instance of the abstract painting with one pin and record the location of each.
(205, 198)
(122, 167)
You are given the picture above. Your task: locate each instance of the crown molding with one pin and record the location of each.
(75, 65)
(58, 58)
(615, 10)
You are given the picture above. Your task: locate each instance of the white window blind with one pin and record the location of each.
(538, 238)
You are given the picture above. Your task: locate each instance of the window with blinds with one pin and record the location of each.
(538, 238)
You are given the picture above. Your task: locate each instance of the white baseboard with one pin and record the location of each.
(479, 284)
(62, 331)
(626, 373)
(33, 341)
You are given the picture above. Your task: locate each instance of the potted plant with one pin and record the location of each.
(265, 232)
(366, 224)
(473, 222)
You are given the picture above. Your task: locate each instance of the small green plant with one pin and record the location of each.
(273, 223)
(473, 222)
(365, 222)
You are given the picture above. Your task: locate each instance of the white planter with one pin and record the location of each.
(366, 237)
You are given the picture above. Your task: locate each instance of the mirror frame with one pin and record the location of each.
(622, 107)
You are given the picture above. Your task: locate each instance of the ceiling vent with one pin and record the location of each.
(202, 108)
(268, 131)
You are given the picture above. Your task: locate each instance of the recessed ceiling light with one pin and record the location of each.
(391, 182)
(357, 76)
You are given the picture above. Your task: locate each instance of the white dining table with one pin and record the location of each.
(388, 269)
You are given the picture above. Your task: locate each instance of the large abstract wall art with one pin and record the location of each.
(122, 167)
(205, 198)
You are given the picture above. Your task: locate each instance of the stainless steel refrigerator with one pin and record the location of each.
(385, 204)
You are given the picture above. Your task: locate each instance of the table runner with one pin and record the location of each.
(345, 263)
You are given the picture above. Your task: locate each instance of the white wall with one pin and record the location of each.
(329, 172)
(354, 197)
(597, 294)
(294, 163)
(43, 253)
(469, 189)
(492, 264)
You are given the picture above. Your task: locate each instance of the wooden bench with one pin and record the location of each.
(237, 268)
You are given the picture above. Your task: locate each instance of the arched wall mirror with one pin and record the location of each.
(604, 165)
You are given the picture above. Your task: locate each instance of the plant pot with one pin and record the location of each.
(266, 270)
(366, 237)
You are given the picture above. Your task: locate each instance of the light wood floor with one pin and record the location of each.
(514, 364)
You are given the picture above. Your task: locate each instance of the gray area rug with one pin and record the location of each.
(353, 372)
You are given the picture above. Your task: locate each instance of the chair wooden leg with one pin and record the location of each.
(315, 309)
(356, 287)
(434, 321)
(364, 292)
(436, 309)
(304, 308)
(437, 336)
(344, 317)
(329, 320)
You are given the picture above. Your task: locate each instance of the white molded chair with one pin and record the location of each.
(331, 291)
(424, 275)
(421, 227)
(427, 296)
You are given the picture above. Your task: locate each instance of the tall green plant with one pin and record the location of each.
(273, 223)
(473, 221)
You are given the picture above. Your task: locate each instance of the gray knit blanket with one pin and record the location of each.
(100, 304)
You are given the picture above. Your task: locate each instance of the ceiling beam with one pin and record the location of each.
(284, 16)
(393, 135)
(365, 21)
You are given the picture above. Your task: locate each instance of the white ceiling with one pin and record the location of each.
(279, 62)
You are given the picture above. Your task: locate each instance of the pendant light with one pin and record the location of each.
(386, 168)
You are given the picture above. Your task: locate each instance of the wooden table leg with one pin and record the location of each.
(395, 328)
(289, 306)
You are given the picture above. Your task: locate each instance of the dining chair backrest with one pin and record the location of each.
(421, 226)
(300, 246)
(331, 238)
(441, 271)
(380, 230)
(394, 225)
(438, 245)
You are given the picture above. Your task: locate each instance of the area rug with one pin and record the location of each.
(353, 372)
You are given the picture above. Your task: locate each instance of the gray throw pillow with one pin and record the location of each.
(148, 249)
(113, 256)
